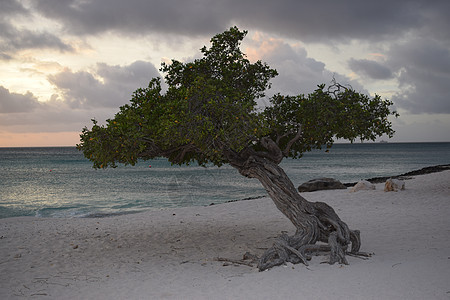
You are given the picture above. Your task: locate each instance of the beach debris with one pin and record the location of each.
(393, 185)
(233, 261)
(362, 185)
(321, 184)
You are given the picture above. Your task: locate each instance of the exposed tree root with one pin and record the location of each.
(283, 251)
(334, 238)
(319, 228)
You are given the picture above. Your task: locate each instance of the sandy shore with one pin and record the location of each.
(170, 254)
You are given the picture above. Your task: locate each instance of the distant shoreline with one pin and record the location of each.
(405, 176)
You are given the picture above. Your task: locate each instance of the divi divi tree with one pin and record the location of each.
(209, 115)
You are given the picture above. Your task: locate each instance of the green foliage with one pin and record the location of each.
(325, 115)
(209, 110)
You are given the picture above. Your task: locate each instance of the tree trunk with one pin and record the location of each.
(314, 221)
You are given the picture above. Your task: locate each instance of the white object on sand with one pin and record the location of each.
(362, 185)
(393, 185)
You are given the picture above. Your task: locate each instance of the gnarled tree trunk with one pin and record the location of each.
(314, 221)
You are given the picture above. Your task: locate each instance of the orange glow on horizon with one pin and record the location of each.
(41, 139)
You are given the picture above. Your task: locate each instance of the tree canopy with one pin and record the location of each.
(209, 113)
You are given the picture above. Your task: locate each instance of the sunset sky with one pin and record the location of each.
(64, 62)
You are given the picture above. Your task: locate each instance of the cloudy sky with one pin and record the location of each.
(64, 62)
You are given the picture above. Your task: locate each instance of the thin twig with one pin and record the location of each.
(234, 261)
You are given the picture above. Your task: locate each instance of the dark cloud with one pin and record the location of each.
(10, 7)
(326, 21)
(424, 93)
(424, 74)
(436, 21)
(81, 97)
(428, 54)
(415, 35)
(81, 89)
(23, 113)
(133, 75)
(53, 117)
(114, 87)
(309, 21)
(135, 17)
(16, 103)
(5, 57)
(370, 69)
(13, 38)
(298, 73)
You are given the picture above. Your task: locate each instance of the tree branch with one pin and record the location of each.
(183, 150)
(279, 137)
(297, 137)
(154, 151)
(273, 151)
(240, 159)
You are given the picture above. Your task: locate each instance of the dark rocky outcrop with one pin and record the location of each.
(406, 176)
(321, 184)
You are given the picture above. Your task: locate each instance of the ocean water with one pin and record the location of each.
(60, 182)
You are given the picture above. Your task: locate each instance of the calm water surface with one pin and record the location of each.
(60, 182)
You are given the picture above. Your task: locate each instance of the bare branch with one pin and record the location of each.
(297, 137)
(234, 261)
(335, 88)
(279, 137)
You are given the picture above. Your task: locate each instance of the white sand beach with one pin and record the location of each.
(171, 253)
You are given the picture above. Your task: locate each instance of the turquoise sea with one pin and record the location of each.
(60, 182)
